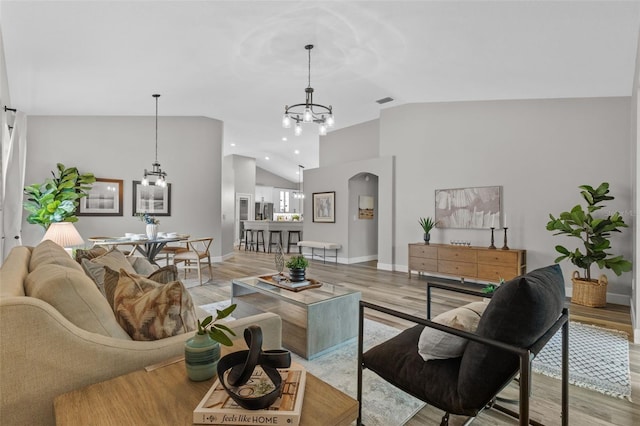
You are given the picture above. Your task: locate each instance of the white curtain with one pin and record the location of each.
(14, 159)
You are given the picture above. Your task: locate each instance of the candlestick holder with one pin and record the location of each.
(505, 247)
(492, 246)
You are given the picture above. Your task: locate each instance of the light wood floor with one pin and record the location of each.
(397, 291)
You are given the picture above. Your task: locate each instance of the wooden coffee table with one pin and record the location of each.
(165, 396)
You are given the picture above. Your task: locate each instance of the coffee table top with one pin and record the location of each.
(304, 298)
(165, 396)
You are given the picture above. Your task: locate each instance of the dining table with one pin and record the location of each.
(146, 247)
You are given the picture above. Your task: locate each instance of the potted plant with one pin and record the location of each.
(297, 266)
(594, 233)
(427, 224)
(202, 351)
(56, 200)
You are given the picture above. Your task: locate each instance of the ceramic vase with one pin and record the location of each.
(427, 237)
(152, 231)
(201, 356)
(297, 275)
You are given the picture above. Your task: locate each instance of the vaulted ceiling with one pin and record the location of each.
(242, 61)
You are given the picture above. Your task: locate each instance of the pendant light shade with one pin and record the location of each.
(156, 169)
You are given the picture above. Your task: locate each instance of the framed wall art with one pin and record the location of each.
(151, 199)
(365, 207)
(324, 207)
(103, 199)
(469, 208)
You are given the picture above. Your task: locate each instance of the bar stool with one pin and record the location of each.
(259, 233)
(247, 243)
(298, 236)
(271, 242)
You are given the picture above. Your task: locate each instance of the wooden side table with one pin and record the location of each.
(165, 396)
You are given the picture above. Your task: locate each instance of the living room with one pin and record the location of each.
(537, 148)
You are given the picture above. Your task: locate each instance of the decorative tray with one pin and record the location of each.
(285, 283)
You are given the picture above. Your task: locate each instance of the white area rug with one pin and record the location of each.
(384, 405)
(598, 359)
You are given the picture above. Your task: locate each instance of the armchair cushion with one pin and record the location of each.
(91, 253)
(164, 275)
(436, 344)
(519, 313)
(148, 310)
(48, 252)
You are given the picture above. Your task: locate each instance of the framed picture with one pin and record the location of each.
(103, 199)
(151, 199)
(470, 208)
(324, 207)
(365, 207)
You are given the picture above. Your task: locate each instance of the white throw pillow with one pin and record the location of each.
(436, 344)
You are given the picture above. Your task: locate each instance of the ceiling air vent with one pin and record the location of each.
(384, 100)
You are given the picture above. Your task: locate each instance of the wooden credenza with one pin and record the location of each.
(478, 263)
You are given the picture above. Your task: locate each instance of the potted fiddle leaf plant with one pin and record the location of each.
(202, 351)
(297, 267)
(56, 200)
(427, 225)
(594, 232)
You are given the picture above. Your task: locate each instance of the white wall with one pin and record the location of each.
(189, 149)
(539, 151)
(266, 178)
(635, 174)
(353, 143)
(363, 233)
(336, 178)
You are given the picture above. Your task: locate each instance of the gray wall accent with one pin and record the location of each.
(363, 233)
(353, 143)
(189, 149)
(228, 207)
(539, 151)
(336, 178)
(244, 174)
(266, 178)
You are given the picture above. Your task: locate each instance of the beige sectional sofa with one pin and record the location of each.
(58, 333)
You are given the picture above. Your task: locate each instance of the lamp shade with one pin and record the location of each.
(64, 234)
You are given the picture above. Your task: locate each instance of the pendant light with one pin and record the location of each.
(156, 169)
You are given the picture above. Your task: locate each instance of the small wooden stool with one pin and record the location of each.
(259, 233)
(247, 242)
(289, 242)
(271, 242)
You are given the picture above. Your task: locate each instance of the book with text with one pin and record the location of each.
(218, 408)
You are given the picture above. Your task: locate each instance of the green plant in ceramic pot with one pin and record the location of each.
(594, 233)
(202, 351)
(427, 225)
(297, 266)
(56, 200)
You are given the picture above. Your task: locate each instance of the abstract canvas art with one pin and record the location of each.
(470, 208)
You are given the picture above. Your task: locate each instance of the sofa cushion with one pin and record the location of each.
(113, 259)
(141, 265)
(49, 253)
(436, 344)
(91, 253)
(164, 275)
(76, 297)
(14, 271)
(519, 313)
(147, 310)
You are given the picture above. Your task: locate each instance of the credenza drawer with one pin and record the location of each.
(422, 264)
(495, 272)
(498, 257)
(461, 269)
(423, 251)
(458, 254)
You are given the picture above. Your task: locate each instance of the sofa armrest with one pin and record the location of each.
(44, 355)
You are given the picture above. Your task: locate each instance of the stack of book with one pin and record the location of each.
(217, 407)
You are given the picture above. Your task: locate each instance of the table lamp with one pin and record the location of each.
(64, 234)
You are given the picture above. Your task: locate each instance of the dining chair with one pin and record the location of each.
(197, 250)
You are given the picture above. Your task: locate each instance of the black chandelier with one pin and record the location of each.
(156, 170)
(308, 112)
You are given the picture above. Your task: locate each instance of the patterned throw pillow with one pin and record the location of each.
(91, 253)
(163, 275)
(147, 310)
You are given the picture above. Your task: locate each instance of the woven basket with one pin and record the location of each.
(591, 293)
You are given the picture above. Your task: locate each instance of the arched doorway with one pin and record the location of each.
(363, 218)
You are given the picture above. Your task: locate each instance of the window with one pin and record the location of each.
(284, 201)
